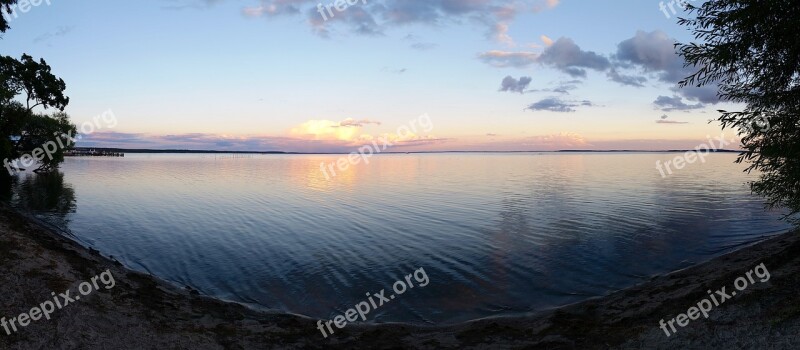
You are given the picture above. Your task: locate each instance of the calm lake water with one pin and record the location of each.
(497, 234)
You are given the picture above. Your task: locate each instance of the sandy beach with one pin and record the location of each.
(143, 312)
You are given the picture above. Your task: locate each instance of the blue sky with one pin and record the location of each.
(272, 75)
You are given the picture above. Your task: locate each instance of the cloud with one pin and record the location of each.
(563, 87)
(102, 137)
(275, 8)
(193, 141)
(674, 103)
(560, 141)
(563, 54)
(664, 120)
(500, 34)
(705, 94)
(311, 136)
(349, 122)
(356, 17)
(189, 4)
(546, 40)
(542, 5)
(423, 46)
(325, 130)
(510, 84)
(417, 44)
(374, 17)
(418, 141)
(654, 53)
(630, 80)
(503, 59)
(645, 54)
(568, 57)
(394, 70)
(347, 133)
(544, 142)
(60, 31)
(554, 104)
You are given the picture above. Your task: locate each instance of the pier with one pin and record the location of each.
(91, 152)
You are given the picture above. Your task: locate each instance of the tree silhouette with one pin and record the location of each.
(5, 7)
(34, 80)
(751, 50)
(22, 130)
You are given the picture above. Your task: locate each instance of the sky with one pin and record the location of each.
(306, 76)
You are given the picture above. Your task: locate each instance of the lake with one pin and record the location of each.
(497, 234)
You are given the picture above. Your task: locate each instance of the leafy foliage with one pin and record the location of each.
(23, 131)
(5, 6)
(41, 130)
(751, 50)
(34, 80)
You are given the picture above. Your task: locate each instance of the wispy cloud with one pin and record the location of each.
(394, 70)
(503, 59)
(60, 31)
(351, 123)
(177, 5)
(664, 120)
(675, 103)
(555, 104)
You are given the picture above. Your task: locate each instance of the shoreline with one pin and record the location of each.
(36, 261)
(213, 152)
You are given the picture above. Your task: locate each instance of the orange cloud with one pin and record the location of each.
(326, 130)
(545, 5)
(348, 132)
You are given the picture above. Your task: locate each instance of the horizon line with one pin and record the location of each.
(189, 151)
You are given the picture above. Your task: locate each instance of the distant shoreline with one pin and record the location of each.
(184, 151)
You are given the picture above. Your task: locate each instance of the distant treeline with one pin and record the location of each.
(125, 150)
(664, 151)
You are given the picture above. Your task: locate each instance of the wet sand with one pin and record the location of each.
(143, 312)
